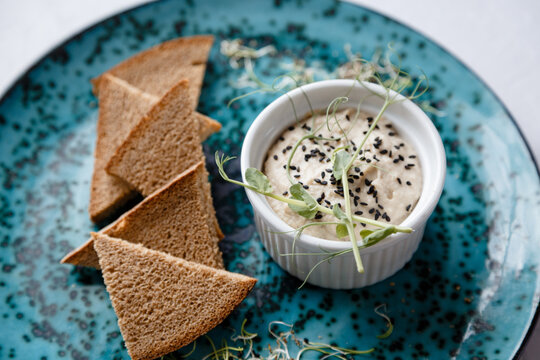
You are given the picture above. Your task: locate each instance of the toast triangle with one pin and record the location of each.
(162, 145)
(159, 68)
(179, 219)
(164, 303)
(121, 107)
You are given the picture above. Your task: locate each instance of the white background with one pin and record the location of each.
(498, 39)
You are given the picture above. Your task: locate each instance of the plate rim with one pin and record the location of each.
(39, 59)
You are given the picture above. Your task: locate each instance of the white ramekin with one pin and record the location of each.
(380, 260)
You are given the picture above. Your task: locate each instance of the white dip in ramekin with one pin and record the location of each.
(385, 182)
(380, 260)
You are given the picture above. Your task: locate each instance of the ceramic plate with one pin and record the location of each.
(471, 290)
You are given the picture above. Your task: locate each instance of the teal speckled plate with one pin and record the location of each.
(471, 290)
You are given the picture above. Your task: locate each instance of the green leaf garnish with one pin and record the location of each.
(379, 235)
(365, 233)
(309, 210)
(258, 180)
(336, 210)
(341, 160)
(341, 231)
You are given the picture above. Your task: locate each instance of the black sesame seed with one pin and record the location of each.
(318, 216)
(399, 181)
(303, 147)
(328, 170)
(281, 138)
(291, 128)
(367, 182)
(372, 210)
(391, 133)
(408, 207)
(357, 189)
(289, 147)
(275, 157)
(363, 203)
(384, 151)
(410, 165)
(412, 156)
(296, 176)
(396, 161)
(408, 183)
(323, 174)
(324, 182)
(358, 212)
(305, 187)
(285, 193)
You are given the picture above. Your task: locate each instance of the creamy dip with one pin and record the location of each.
(385, 183)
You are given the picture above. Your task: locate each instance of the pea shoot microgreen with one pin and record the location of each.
(395, 82)
(285, 346)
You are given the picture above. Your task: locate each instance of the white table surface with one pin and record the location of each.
(498, 39)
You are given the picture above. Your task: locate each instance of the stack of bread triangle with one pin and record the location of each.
(160, 260)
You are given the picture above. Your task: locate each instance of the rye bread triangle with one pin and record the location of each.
(162, 145)
(159, 68)
(121, 107)
(179, 219)
(164, 303)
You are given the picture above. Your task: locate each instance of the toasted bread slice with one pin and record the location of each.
(121, 107)
(207, 126)
(164, 303)
(162, 145)
(178, 219)
(159, 68)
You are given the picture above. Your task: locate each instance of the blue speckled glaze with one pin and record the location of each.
(470, 291)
